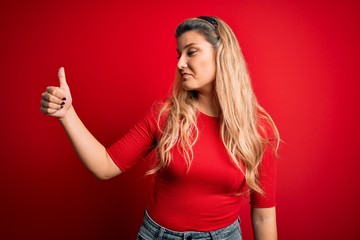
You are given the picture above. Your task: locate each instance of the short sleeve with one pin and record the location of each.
(267, 171)
(267, 180)
(136, 143)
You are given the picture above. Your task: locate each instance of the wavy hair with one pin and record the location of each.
(244, 124)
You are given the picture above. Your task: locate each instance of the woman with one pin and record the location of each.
(215, 144)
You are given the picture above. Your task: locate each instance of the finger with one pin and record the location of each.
(51, 98)
(56, 93)
(51, 105)
(62, 78)
(48, 110)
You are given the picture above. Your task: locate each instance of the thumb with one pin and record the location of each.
(62, 78)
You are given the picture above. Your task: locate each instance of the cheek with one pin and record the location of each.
(208, 69)
(208, 64)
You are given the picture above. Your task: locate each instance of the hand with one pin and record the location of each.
(56, 101)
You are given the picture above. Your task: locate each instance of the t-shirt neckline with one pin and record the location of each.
(209, 116)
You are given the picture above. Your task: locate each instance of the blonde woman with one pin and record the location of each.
(215, 144)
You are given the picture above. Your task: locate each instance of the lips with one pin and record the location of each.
(185, 75)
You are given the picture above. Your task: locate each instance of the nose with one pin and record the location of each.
(182, 63)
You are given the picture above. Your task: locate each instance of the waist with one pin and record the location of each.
(194, 214)
(155, 230)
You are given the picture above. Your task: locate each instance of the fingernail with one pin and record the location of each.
(63, 103)
(64, 98)
(61, 106)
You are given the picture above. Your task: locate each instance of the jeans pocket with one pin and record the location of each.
(231, 234)
(144, 234)
(234, 236)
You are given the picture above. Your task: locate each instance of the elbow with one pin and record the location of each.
(108, 174)
(264, 223)
(260, 219)
(104, 177)
(101, 176)
(263, 214)
(105, 169)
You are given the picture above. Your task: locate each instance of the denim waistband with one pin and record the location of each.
(152, 230)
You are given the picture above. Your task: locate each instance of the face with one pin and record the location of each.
(196, 65)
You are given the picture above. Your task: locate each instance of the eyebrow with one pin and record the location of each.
(186, 46)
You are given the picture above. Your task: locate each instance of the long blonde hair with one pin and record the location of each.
(241, 117)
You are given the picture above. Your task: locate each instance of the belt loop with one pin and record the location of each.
(213, 236)
(160, 234)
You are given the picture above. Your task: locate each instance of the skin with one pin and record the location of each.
(197, 68)
(57, 102)
(264, 223)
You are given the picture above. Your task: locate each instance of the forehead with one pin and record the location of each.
(191, 37)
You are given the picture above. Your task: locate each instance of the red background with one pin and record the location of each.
(120, 58)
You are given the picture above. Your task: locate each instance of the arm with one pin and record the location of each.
(91, 152)
(57, 102)
(264, 223)
(263, 211)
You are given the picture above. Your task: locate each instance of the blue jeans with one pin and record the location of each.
(150, 230)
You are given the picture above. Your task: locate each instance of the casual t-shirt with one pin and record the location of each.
(207, 196)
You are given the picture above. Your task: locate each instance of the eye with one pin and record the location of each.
(191, 53)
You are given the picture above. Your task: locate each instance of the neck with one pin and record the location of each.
(206, 104)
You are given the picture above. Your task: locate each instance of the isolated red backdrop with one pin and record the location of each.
(120, 57)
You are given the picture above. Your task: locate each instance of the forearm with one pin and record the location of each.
(90, 151)
(264, 223)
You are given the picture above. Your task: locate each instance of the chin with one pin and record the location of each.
(186, 87)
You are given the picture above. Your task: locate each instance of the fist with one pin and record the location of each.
(55, 101)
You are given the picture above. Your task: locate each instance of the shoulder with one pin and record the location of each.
(159, 112)
(269, 134)
(160, 108)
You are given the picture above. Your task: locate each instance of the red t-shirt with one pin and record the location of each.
(207, 197)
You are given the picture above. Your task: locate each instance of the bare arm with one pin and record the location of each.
(91, 152)
(57, 102)
(264, 223)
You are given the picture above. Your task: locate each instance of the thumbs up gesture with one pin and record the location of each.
(56, 101)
